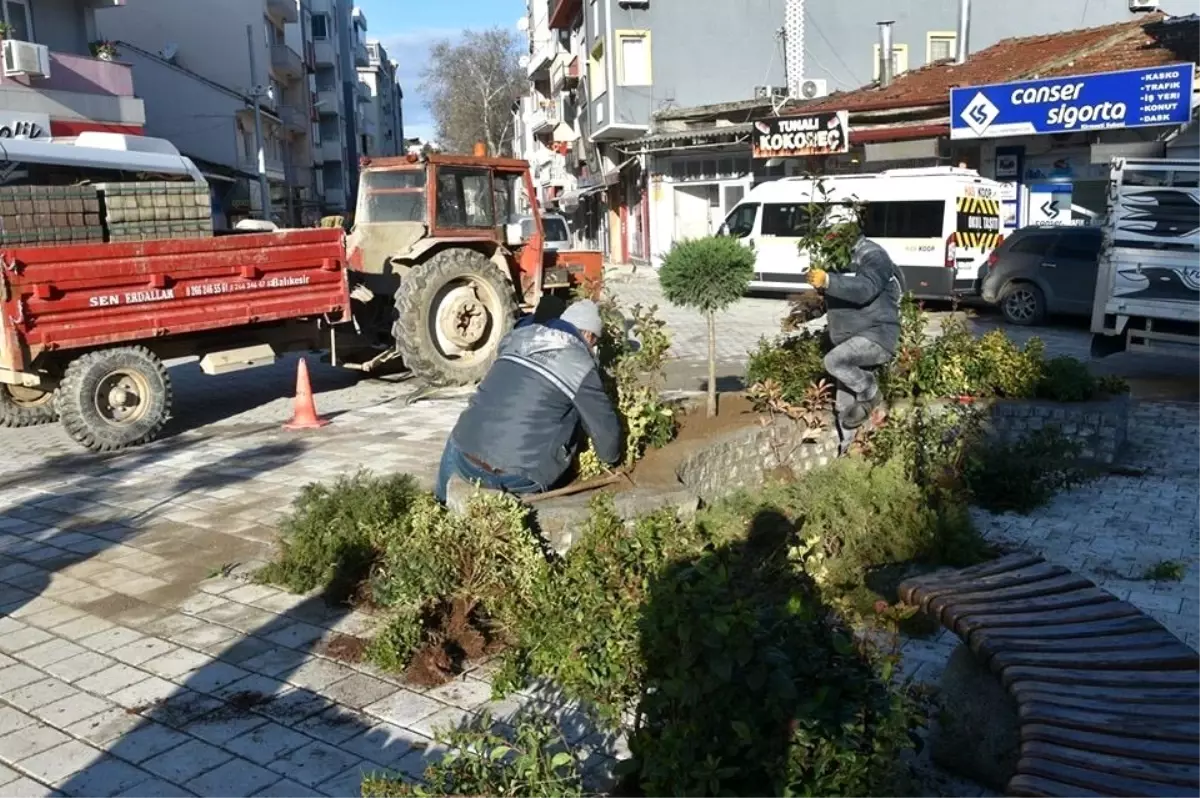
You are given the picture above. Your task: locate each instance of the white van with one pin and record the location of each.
(939, 224)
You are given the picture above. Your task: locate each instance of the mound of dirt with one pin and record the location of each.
(456, 637)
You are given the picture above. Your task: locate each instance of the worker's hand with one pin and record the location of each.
(818, 278)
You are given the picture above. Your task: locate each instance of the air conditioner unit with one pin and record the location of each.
(769, 92)
(26, 58)
(1143, 5)
(813, 88)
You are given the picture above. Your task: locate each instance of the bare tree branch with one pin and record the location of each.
(471, 86)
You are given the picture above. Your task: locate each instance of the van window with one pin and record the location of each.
(789, 220)
(555, 229)
(741, 221)
(917, 219)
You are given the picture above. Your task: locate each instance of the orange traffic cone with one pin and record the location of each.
(305, 415)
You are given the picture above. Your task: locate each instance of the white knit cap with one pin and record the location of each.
(584, 316)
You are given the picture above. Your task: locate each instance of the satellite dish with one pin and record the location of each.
(523, 62)
(169, 51)
(523, 24)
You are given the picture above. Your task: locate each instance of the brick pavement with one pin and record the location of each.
(126, 668)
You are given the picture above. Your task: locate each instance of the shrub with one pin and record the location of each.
(792, 363)
(633, 375)
(1065, 379)
(708, 274)
(1022, 476)
(1165, 571)
(333, 534)
(532, 761)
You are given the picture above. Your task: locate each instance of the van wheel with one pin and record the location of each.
(451, 314)
(26, 407)
(1023, 304)
(114, 398)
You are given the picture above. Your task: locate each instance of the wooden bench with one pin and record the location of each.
(1107, 699)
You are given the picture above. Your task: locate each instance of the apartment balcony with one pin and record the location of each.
(81, 93)
(329, 102)
(286, 62)
(542, 56)
(365, 93)
(563, 13)
(545, 117)
(324, 53)
(564, 72)
(331, 151)
(294, 119)
(361, 59)
(274, 167)
(335, 198)
(284, 10)
(552, 171)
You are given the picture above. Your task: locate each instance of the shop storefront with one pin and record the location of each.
(1051, 141)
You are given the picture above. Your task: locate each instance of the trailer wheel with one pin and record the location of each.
(114, 398)
(451, 313)
(26, 407)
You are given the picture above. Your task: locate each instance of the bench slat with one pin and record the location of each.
(1161, 772)
(1033, 574)
(955, 609)
(1010, 562)
(1168, 656)
(1105, 783)
(1181, 710)
(1026, 784)
(1067, 631)
(1134, 725)
(966, 624)
(1117, 695)
(1174, 678)
(1046, 587)
(1156, 750)
(1123, 642)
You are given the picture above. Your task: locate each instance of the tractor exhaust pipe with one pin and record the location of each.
(480, 149)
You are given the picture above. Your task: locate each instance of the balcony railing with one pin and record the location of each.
(565, 71)
(286, 61)
(360, 55)
(545, 117)
(294, 119)
(327, 102)
(324, 53)
(543, 53)
(78, 73)
(286, 10)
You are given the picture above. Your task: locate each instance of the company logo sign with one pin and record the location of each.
(1112, 100)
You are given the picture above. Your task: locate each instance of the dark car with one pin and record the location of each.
(1042, 271)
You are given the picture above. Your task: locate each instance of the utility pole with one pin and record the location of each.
(256, 93)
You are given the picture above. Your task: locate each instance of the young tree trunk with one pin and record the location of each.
(712, 364)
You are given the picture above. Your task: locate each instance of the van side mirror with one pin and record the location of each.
(723, 230)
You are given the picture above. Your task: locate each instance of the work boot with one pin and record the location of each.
(855, 416)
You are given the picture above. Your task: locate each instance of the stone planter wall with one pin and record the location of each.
(1100, 428)
(747, 458)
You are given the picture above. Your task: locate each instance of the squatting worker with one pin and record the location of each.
(863, 314)
(519, 432)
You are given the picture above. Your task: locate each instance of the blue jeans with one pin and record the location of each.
(453, 462)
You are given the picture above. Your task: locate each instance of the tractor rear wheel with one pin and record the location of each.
(114, 398)
(451, 313)
(26, 407)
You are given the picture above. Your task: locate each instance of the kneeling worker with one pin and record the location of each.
(518, 433)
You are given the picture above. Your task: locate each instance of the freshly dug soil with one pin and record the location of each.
(456, 637)
(658, 468)
(345, 648)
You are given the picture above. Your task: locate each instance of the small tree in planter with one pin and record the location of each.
(6, 31)
(708, 274)
(104, 49)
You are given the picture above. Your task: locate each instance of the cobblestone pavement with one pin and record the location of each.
(127, 667)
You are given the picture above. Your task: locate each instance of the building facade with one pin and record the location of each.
(77, 92)
(333, 121)
(838, 42)
(384, 125)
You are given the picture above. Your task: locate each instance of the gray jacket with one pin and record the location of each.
(865, 303)
(523, 418)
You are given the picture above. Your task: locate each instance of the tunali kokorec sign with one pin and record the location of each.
(795, 136)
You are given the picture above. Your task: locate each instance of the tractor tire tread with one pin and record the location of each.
(14, 416)
(73, 415)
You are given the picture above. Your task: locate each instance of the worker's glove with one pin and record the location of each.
(818, 278)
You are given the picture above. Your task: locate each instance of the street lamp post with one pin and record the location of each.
(257, 91)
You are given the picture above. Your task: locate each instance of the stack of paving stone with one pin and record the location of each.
(153, 210)
(49, 215)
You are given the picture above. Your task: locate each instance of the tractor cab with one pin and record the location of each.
(439, 243)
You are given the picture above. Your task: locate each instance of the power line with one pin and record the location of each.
(832, 49)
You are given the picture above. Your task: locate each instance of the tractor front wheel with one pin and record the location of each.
(26, 407)
(451, 313)
(114, 398)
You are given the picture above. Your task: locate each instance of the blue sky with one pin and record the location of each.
(408, 28)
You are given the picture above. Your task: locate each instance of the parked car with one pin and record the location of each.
(558, 232)
(1043, 271)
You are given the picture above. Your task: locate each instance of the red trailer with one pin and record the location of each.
(85, 329)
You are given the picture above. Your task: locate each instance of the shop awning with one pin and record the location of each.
(690, 136)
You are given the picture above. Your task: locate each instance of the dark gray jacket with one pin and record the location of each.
(865, 303)
(523, 418)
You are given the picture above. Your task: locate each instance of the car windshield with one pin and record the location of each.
(393, 196)
(741, 221)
